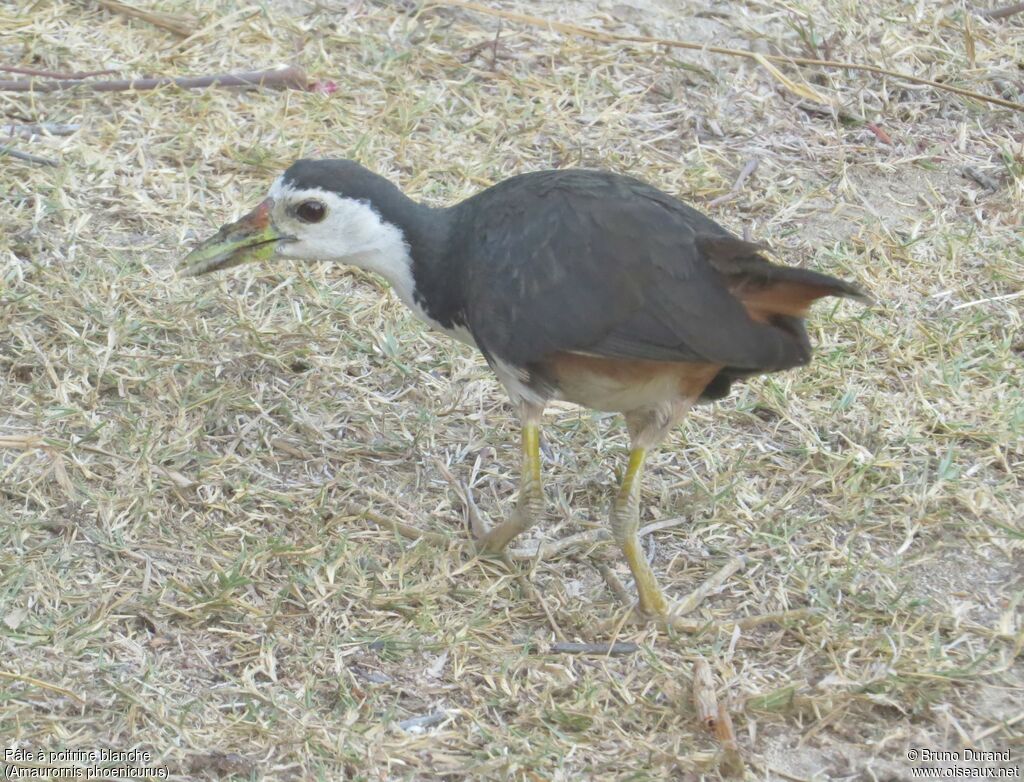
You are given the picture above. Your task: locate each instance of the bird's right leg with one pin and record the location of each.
(647, 427)
(530, 503)
(625, 521)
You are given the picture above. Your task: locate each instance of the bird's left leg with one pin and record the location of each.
(530, 503)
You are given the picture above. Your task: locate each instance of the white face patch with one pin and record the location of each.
(353, 233)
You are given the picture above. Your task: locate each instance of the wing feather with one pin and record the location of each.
(594, 262)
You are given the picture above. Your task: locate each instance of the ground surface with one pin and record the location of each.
(185, 565)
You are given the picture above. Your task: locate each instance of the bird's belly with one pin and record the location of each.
(622, 385)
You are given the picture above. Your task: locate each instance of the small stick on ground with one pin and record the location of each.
(1002, 13)
(614, 584)
(731, 762)
(597, 35)
(17, 155)
(704, 698)
(748, 169)
(778, 617)
(831, 112)
(586, 538)
(613, 649)
(715, 717)
(981, 178)
(700, 594)
(179, 25)
(424, 721)
(20, 441)
(998, 727)
(41, 684)
(285, 76)
(405, 530)
(548, 550)
(534, 596)
(54, 74)
(976, 302)
(39, 129)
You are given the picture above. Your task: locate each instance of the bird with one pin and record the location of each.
(581, 285)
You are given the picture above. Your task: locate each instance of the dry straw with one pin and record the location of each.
(765, 60)
(227, 529)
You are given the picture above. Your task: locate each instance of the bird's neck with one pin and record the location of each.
(410, 251)
(439, 283)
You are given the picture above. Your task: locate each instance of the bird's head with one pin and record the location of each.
(316, 210)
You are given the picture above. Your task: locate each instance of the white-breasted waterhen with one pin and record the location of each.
(585, 286)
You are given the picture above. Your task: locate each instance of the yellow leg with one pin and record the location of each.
(625, 520)
(529, 505)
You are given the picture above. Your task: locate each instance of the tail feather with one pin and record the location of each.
(776, 295)
(766, 288)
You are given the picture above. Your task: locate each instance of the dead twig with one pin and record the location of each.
(694, 626)
(737, 186)
(705, 700)
(284, 76)
(612, 649)
(39, 129)
(976, 302)
(175, 23)
(416, 724)
(714, 716)
(23, 442)
(533, 596)
(597, 35)
(730, 761)
(405, 530)
(614, 584)
(1002, 13)
(586, 538)
(700, 594)
(17, 155)
(1002, 725)
(776, 617)
(831, 112)
(983, 179)
(17, 677)
(54, 74)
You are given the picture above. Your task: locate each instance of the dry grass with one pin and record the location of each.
(184, 564)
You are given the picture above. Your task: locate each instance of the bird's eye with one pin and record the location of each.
(311, 211)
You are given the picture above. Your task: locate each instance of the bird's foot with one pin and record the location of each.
(480, 525)
(639, 617)
(494, 538)
(487, 537)
(653, 608)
